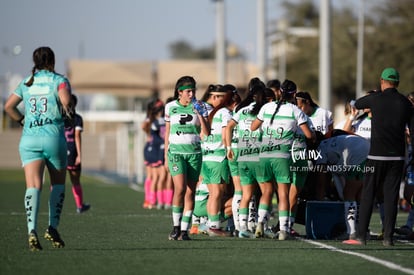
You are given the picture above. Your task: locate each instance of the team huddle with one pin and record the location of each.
(228, 157)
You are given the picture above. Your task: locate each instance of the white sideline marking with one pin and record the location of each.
(385, 263)
(405, 242)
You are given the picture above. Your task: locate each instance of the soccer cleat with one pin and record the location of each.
(259, 230)
(175, 233)
(34, 244)
(203, 229)
(342, 237)
(148, 205)
(145, 204)
(52, 235)
(184, 236)
(355, 242)
(194, 229)
(283, 235)
(85, 207)
(269, 234)
(245, 235)
(345, 236)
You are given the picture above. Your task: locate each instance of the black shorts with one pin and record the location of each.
(72, 155)
(154, 154)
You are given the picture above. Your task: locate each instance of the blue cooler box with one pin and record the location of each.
(324, 219)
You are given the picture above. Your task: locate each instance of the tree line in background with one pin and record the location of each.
(388, 42)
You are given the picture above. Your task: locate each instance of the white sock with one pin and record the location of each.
(185, 220)
(350, 208)
(243, 221)
(262, 214)
(284, 223)
(251, 224)
(235, 209)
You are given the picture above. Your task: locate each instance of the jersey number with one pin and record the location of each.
(38, 105)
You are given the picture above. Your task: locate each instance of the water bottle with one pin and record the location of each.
(199, 107)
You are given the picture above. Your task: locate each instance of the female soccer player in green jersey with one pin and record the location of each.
(185, 123)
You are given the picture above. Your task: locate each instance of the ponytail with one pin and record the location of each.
(288, 89)
(279, 103)
(30, 81)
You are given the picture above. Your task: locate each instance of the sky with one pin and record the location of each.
(121, 30)
(126, 30)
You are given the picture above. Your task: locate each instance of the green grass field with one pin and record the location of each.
(118, 237)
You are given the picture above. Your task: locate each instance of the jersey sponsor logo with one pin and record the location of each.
(270, 148)
(368, 129)
(184, 118)
(318, 128)
(179, 133)
(39, 90)
(40, 122)
(249, 151)
(208, 152)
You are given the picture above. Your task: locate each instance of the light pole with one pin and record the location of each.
(325, 54)
(360, 51)
(261, 39)
(220, 42)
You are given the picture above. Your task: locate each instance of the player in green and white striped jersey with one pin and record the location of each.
(184, 124)
(248, 150)
(235, 190)
(215, 170)
(279, 122)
